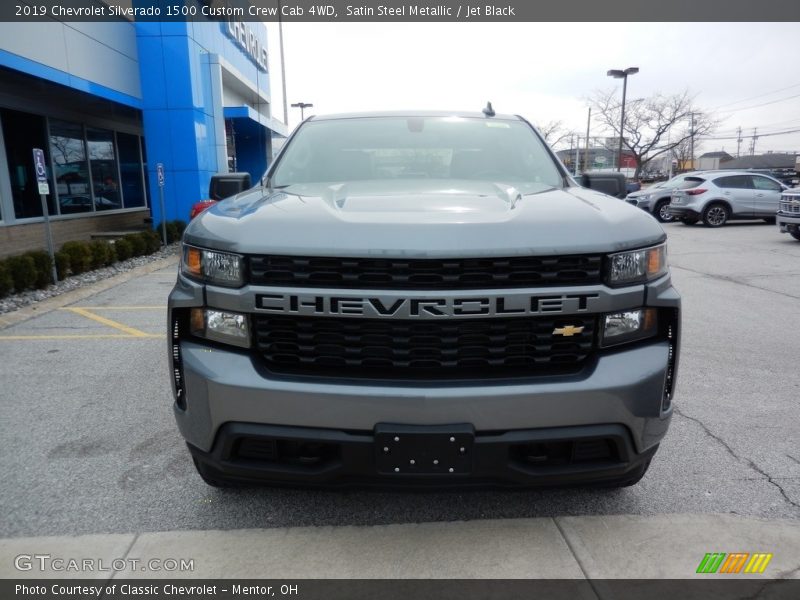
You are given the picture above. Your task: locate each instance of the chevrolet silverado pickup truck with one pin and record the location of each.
(788, 217)
(422, 299)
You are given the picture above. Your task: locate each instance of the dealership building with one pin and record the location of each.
(108, 102)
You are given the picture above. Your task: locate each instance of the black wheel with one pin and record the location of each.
(661, 212)
(795, 234)
(770, 220)
(688, 220)
(716, 214)
(214, 480)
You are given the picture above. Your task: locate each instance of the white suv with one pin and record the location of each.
(718, 196)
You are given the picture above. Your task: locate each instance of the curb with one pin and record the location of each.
(81, 293)
(667, 546)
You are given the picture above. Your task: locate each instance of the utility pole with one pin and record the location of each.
(586, 152)
(577, 156)
(738, 140)
(753, 143)
(691, 132)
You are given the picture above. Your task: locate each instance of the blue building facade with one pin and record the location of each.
(108, 102)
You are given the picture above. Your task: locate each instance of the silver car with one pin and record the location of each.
(719, 196)
(656, 198)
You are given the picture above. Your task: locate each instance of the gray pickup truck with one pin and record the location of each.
(788, 217)
(422, 299)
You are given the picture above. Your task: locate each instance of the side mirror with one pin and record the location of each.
(225, 185)
(612, 184)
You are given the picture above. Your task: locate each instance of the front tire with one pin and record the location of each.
(716, 214)
(661, 212)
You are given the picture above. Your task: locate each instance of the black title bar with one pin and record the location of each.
(397, 11)
(703, 588)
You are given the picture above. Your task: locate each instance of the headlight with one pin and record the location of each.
(221, 326)
(637, 266)
(628, 326)
(212, 266)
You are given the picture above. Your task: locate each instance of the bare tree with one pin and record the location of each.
(554, 132)
(648, 121)
(682, 152)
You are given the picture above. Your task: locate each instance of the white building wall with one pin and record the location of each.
(102, 53)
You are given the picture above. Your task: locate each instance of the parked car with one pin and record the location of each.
(656, 198)
(79, 203)
(719, 196)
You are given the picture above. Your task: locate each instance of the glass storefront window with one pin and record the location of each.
(72, 170)
(130, 165)
(89, 169)
(103, 163)
(22, 132)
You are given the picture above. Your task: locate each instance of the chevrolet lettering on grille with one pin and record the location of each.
(423, 308)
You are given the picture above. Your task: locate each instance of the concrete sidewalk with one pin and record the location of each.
(596, 547)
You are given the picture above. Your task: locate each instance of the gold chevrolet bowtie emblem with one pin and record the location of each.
(567, 330)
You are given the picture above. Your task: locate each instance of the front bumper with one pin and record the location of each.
(643, 203)
(788, 223)
(247, 453)
(619, 390)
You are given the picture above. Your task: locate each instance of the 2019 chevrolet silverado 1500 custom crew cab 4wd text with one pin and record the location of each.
(422, 299)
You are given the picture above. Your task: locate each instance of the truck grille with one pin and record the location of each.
(425, 274)
(461, 349)
(790, 207)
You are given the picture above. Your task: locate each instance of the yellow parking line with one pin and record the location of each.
(116, 336)
(108, 322)
(120, 307)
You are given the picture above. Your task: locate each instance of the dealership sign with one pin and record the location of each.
(245, 37)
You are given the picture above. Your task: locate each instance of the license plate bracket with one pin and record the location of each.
(424, 450)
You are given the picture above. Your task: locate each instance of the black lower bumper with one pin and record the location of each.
(422, 456)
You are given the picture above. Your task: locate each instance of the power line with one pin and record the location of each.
(762, 104)
(758, 96)
(788, 131)
(764, 128)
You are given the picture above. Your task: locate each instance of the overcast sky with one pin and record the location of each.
(545, 71)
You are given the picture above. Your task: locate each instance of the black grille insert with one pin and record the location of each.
(346, 347)
(434, 274)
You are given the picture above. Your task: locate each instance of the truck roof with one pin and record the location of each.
(415, 113)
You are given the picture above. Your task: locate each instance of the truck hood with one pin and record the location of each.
(410, 218)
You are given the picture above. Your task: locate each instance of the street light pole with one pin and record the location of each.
(283, 68)
(302, 106)
(619, 74)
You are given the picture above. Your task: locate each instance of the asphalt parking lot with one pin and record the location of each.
(89, 444)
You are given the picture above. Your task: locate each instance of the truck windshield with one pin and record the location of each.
(381, 148)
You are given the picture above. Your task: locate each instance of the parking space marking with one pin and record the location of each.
(89, 312)
(121, 307)
(99, 336)
(86, 312)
